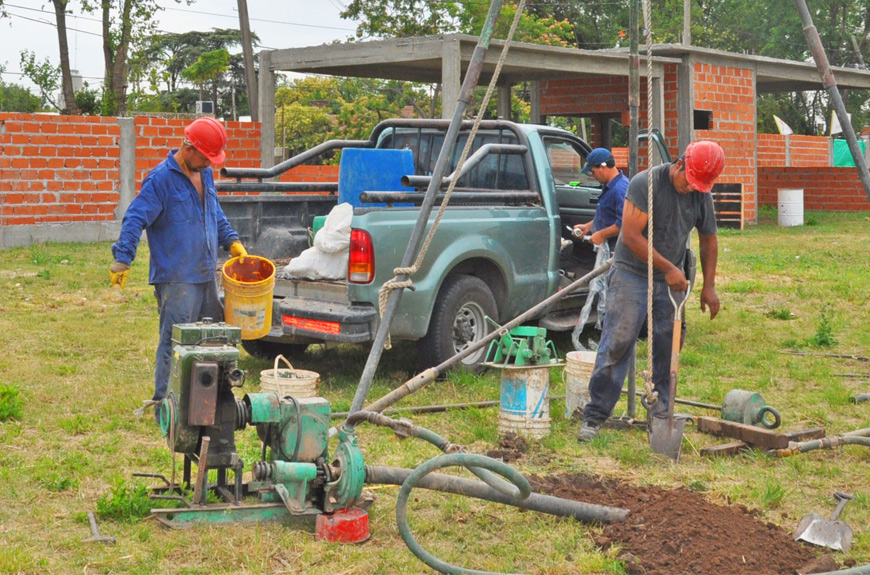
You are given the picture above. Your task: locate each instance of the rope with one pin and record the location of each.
(395, 283)
(648, 385)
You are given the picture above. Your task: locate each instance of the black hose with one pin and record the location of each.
(586, 512)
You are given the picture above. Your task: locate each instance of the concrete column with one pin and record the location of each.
(127, 166)
(451, 77)
(685, 103)
(535, 116)
(503, 105)
(657, 115)
(267, 110)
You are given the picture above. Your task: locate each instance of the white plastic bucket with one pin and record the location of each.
(578, 370)
(790, 204)
(524, 406)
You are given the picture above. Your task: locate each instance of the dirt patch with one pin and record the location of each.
(511, 448)
(678, 532)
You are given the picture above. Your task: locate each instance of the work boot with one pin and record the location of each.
(588, 431)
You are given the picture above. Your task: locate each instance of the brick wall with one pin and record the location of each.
(793, 150)
(57, 168)
(825, 188)
(65, 169)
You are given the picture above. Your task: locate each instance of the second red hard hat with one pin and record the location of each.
(704, 162)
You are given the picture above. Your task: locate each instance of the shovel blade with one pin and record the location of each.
(666, 436)
(817, 530)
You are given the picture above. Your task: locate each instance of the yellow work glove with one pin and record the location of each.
(118, 274)
(238, 251)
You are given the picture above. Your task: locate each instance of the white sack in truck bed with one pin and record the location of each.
(327, 258)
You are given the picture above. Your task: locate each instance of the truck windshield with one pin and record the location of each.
(495, 172)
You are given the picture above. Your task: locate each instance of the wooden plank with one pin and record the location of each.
(806, 434)
(754, 436)
(725, 449)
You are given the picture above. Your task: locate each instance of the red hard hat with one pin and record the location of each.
(704, 162)
(209, 137)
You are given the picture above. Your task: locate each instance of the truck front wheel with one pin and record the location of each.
(270, 350)
(458, 320)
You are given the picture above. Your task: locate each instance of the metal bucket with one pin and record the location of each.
(524, 406)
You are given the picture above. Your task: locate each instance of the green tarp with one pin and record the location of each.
(842, 155)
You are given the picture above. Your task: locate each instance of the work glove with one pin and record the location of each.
(238, 251)
(118, 274)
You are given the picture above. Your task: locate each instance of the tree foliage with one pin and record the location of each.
(15, 98)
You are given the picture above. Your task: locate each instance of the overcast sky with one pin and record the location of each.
(278, 23)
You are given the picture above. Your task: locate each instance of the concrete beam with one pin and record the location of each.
(685, 102)
(451, 78)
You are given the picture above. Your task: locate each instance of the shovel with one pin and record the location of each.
(666, 434)
(815, 529)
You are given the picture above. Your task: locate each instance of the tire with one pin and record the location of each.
(270, 350)
(458, 320)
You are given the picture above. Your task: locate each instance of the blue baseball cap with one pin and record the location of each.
(597, 157)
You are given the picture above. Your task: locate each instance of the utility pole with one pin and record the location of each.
(248, 54)
(687, 22)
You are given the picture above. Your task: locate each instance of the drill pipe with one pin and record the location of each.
(588, 512)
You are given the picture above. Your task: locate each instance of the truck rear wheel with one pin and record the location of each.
(458, 320)
(270, 350)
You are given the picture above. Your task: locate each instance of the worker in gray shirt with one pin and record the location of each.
(682, 201)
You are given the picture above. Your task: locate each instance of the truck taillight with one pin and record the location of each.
(361, 263)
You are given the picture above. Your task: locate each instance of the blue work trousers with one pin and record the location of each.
(180, 303)
(625, 316)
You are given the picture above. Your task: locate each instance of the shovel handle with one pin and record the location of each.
(842, 500)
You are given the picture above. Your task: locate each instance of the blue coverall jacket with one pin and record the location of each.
(183, 232)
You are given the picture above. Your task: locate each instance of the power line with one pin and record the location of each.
(261, 20)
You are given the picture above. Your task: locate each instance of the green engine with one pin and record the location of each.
(298, 473)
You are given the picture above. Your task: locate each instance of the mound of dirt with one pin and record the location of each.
(678, 532)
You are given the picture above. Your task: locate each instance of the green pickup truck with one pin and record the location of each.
(498, 250)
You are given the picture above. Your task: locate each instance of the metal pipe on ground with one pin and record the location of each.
(428, 408)
(588, 512)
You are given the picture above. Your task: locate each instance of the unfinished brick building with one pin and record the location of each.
(698, 93)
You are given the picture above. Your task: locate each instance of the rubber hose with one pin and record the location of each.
(456, 459)
(862, 570)
(585, 512)
(409, 429)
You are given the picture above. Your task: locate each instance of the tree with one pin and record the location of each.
(208, 67)
(69, 98)
(122, 21)
(44, 75)
(15, 98)
(158, 60)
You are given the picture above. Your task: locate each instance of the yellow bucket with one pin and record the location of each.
(248, 290)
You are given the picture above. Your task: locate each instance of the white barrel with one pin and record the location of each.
(578, 370)
(790, 206)
(524, 406)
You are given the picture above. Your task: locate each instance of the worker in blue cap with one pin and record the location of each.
(605, 226)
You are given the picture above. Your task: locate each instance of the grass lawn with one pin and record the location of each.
(79, 360)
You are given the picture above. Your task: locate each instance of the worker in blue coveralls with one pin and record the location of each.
(681, 202)
(178, 209)
(605, 226)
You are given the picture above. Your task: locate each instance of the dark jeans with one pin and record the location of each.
(180, 303)
(625, 316)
